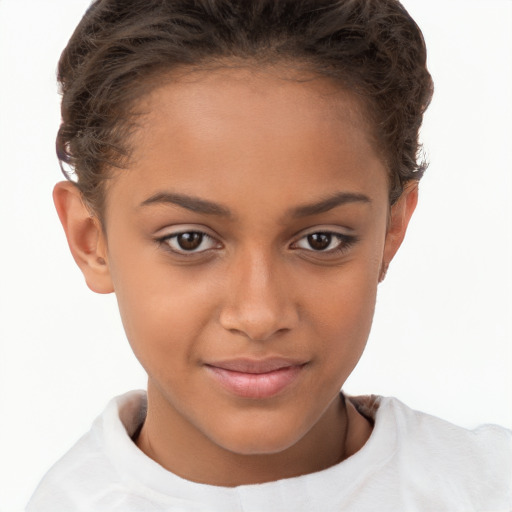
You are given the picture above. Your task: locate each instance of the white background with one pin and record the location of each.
(442, 334)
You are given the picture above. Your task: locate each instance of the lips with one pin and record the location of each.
(256, 379)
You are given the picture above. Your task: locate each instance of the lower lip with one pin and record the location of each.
(256, 385)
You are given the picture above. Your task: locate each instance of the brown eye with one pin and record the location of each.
(189, 241)
(325, 242)
(319, 241)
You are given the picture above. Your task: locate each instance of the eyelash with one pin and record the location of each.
(344, 242)
(167, 239)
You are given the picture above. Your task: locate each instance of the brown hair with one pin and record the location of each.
(371, 47)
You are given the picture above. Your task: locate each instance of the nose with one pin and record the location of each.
(259, 301)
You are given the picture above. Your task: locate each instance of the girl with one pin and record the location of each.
(245, 173)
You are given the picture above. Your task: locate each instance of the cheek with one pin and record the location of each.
(163, 308)
(343, 309)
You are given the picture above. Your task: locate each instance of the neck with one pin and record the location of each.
(184, 450)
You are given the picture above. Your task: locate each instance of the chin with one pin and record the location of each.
(266, 440)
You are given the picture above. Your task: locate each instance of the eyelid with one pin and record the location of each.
(177, 229)
(332, 230)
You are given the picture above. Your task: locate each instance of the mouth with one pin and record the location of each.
(256, 379)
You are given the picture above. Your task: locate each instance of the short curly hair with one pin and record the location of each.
(372, 48)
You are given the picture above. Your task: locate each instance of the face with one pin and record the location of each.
(245, 245)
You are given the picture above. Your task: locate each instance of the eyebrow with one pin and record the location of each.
(204, 206)
(329, 203)
(194, 204)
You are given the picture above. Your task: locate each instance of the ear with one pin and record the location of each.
(399, 217)
(85, 237)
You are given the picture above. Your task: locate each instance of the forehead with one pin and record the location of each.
(233, 130)
(251, 97)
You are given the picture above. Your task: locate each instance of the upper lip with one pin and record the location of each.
(244, 365)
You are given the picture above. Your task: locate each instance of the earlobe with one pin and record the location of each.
(85, 237)
(400, 215)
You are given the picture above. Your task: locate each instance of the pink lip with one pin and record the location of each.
(255, 379)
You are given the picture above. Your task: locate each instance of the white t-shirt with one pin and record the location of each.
(411, 462)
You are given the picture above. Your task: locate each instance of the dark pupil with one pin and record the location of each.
(319, 241)
(190, 241)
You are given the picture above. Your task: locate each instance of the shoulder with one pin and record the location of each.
(414, 426)
(419, 428)
(431, 455)
(83, 475)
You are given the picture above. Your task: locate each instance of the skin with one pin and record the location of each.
(263, 149)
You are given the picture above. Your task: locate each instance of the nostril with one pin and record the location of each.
(255, 325)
